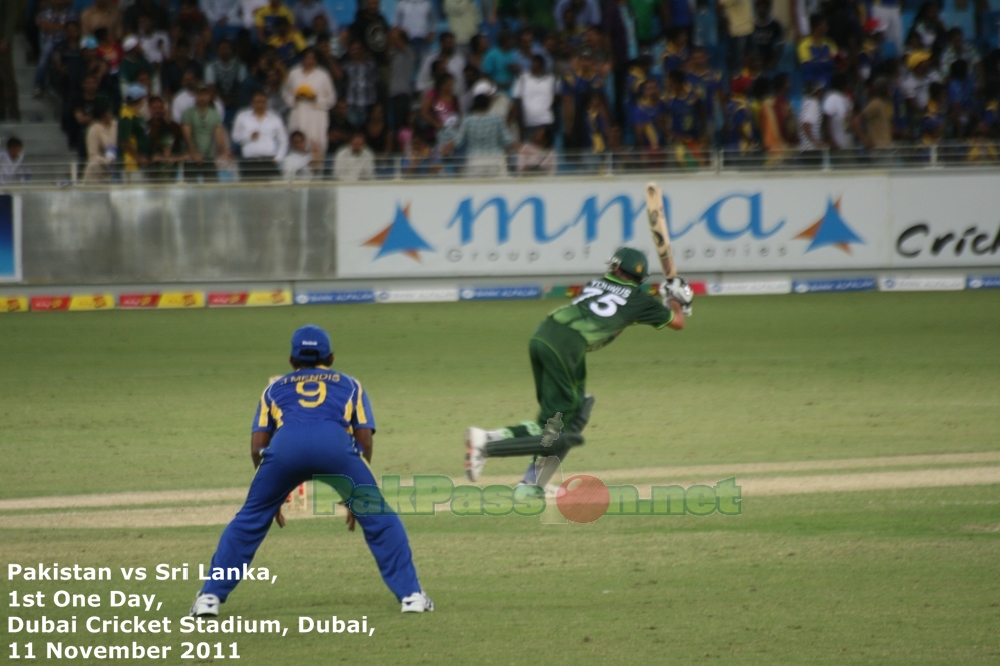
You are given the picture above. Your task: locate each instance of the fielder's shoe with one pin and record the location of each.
(475, 452)
(206, 605)
(418, 602)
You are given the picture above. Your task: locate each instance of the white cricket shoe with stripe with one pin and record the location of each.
(475, 452)
(418, 602)
(205, 605)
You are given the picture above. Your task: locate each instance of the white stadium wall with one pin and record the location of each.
(851, 223)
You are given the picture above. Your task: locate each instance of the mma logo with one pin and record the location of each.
(830, 230)
(399, 237)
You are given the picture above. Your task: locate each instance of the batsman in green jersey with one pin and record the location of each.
(558, 349)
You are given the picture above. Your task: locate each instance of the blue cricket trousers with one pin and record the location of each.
(295, 454)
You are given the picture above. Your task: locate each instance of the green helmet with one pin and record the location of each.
(631, 261)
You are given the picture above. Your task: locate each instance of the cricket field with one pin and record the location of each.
(863, 429)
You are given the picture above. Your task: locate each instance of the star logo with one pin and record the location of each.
(399, 237)
(830, 230)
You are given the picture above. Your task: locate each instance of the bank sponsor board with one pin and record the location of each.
(428, 295)
(519, 292)
(750, 287)
(334, 297)
(983, 282)
(574, 226)
(928, 283)
(834, 285)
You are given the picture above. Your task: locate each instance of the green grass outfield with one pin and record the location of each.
(109, 402)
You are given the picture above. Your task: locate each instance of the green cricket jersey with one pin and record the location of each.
(606, 306)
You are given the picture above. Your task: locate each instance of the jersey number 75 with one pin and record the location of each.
(604, 304)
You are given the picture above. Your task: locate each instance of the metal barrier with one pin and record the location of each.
(672, 159)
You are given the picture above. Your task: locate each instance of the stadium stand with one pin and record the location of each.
(577, 85)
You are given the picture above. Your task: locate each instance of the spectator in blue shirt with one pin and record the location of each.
(501, 63)
(961, 98)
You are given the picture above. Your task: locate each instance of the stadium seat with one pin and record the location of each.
(907, 22)
(343, 10)
(965, 19)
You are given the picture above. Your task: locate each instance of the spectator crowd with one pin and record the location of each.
(241, 89)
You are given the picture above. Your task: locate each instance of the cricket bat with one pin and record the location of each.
(658, 227)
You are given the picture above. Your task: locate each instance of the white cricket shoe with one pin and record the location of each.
(205, 605)
(475, 452)
(418, 602)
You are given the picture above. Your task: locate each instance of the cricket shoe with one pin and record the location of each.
(475, 452)
(205, 605)
(418, 602)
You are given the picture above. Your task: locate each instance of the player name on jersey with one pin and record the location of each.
(169, 299)
(249, 298)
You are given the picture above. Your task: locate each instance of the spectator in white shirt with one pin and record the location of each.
(535, 94)
(12, 167)
(537, 156)
(221, 12)
(916, 84)
(464, 19)
(811, 122)
(355, 161)
(250, 8)
(155, 43)
(302, 160)
(185, 99)
(838, 114)
(310, 94)
(263, 138)
(417, 20)
(454, 64)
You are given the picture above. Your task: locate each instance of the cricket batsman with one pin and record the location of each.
(314, 420)
(558, 351)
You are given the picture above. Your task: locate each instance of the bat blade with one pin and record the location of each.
(658, 228)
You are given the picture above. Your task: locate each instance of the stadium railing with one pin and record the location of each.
(671, 160)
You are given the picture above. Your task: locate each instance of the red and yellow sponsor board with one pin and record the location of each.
(269, 298)
(78, 302)
(168, 299)
(227, 299)
(92, 302)
(250, 298)
(14, 304)
(182, 299)
(49, 303)
(131, 301)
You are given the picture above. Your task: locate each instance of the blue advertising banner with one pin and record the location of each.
(334, 297)
(845, 284)
(520, 292)
(10, 238)
(983, 282)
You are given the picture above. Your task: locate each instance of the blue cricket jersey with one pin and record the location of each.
(311, 396)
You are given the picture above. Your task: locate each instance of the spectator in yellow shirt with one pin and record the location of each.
(287, 41)
(266, 19)
(816, 53)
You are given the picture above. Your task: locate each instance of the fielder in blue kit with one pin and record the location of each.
(311, 421)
